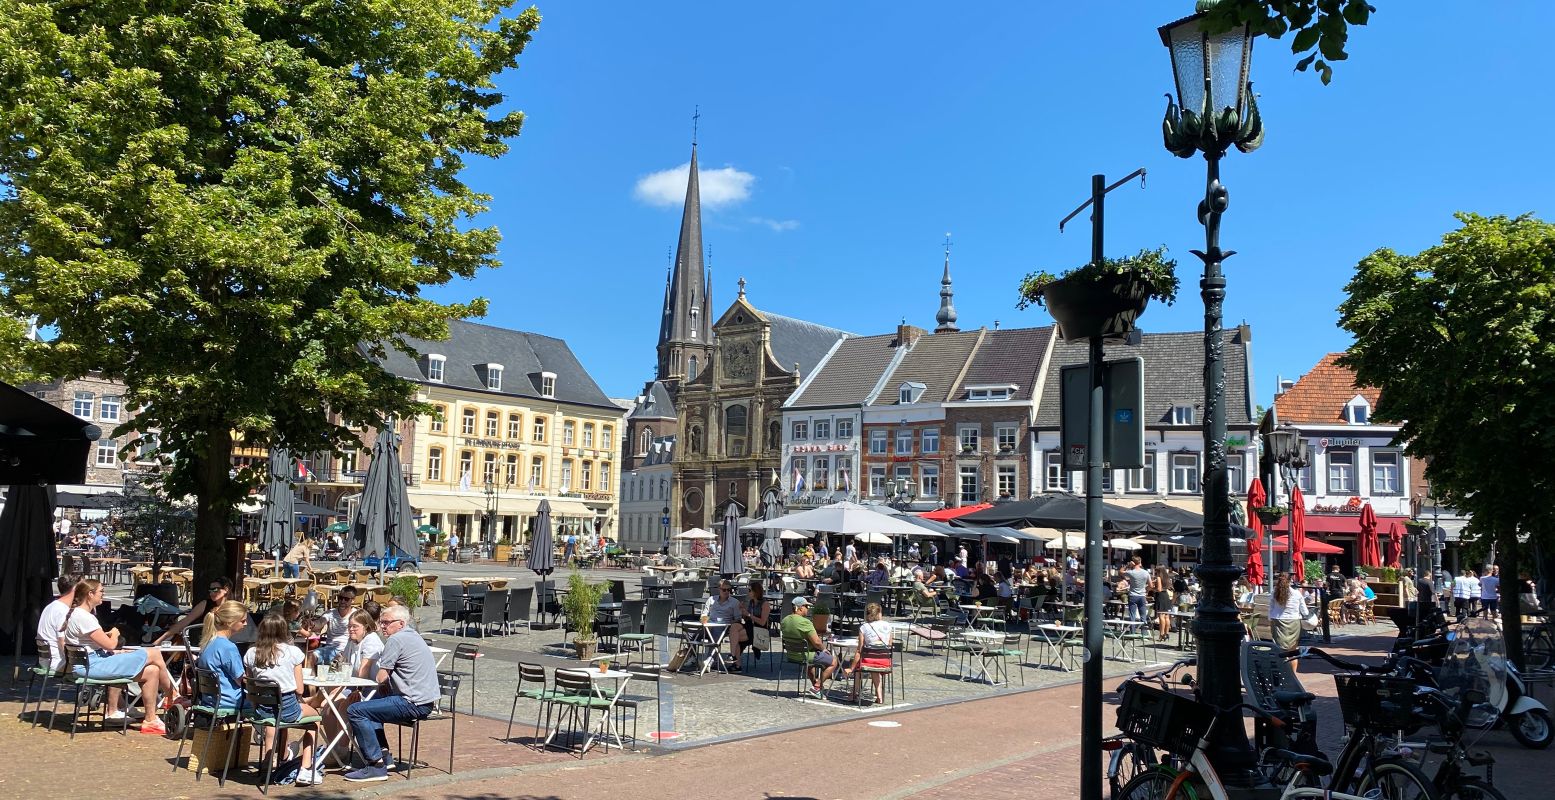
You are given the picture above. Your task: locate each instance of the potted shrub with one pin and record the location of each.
(820, 616)
(503, 549)
(1269, 515)
(1102, 299)
(579, 606)
(407, 590)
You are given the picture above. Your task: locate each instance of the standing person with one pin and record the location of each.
(1161, 591)
(409, 673)
(961, 554)
(275, 659)
(1490, 592)
(933, 554)
(298, 557)
(1425, 598)
(452, 554)
(1461, 594)
(849, 553)
(106, 659)
(569, 544)
(822, 551)
(818, 661)
(62, 529)
(100, 539)
(1138, 583)
(1287, 609)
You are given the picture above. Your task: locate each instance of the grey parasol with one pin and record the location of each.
(275, 525)
(772, 545)
(383, 522)
(542, 553)
(28, 561)
(732, 557)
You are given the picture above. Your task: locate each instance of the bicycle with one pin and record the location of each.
(1130, 758)
(1539, 645)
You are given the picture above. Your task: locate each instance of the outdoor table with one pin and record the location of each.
(978, 643)
(442, 655)
(1118, 631)
(333, 689)
(609, 728)
(1056, 645)
(468, 582)
(709, 644)
(977, 613)
(1184, 627)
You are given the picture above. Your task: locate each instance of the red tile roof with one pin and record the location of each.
(1320, 395)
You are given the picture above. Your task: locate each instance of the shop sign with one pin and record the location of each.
(821, 448)
(496, 443)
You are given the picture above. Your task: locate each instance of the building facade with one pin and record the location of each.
(101, 401)
(646, 498)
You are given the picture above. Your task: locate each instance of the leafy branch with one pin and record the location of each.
(1321, 25)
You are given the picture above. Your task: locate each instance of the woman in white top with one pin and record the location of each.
(1287, 608)
(274, 658)
(107, 659)
(874, 634)
(363, 645)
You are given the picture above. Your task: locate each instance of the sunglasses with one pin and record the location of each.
(217, 588)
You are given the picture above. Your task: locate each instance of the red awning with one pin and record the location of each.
(1335, 523)
(951, 513)
(1311, 546)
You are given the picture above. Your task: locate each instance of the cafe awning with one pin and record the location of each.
(41, 443)
(445, 503)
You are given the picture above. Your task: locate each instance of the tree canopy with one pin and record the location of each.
(234, 206)
(1322, 26)
(1460, 339)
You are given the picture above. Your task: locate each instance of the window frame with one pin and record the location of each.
(436, 368)
(999, 432)
(969, 438)
(928, 441)
(494, 378)
(439, 418)
(537, 430)
(879, 442)
(877, 481)
(904, 442)
(467, 421)
(928, 473)
(845, 428)
(1144, 486)
(113, 401)
(493, 424)
(108, 447)
(536, 472)
(820, 429)
(1193, 473)
(975, 473)
(1398, 472)
(1055, 478)
(1003, 471)
(588, 435)
(89, 398)
(1329, 473)
(799, 430)
(1183, 414)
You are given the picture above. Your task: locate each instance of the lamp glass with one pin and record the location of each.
(1280, 444)
(1220, 60)
(1229, 54)
(1185, 39)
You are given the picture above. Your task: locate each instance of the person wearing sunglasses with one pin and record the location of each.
(219, 591)
(408, 672)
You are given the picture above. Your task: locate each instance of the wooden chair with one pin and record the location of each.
(428, 588)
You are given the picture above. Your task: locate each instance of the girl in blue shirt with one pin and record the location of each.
(219, 655)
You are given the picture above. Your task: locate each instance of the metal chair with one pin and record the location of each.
(443, 709)
(520, 601)
(629, 630)
(635, 702)
(887, 673)
(265, 699)
(533, 674)
(471, 653)
(77, 657)
(39, 672)
(574, 695)
(453, 606)
(493, 611)
(207, 684)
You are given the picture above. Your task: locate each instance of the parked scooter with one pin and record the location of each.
(1479, 664)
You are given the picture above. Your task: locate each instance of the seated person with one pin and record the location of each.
(922, 595)
(798, 631)
(959, 568)
(220, 591)
(274, 658)
(805, 569)
(336, 622)
(874, 634)
(106, 660)
(409, 673)
(877, 576)
(219, 655)
(724, 610)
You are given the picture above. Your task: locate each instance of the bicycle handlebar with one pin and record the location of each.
(1388, 665)
(1159, 676)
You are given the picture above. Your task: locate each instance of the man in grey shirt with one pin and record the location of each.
(1138, 579)
(409, 672)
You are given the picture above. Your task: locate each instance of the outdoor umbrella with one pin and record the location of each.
(306, 509)
(792, 536)
(1395, 544)
(844, 518)
(275, 525)
(337, 527)
(1308, 546)
(1192, 522)
(1369, 555)
(1298, 534)
(1122, 544)
(43, 444)
(1255, 574)
(542, 555)
(1067, 511)
(28, 562)
(1069, 541)
(696, 534)
(383, 523)
(771, 545)
(731, 558)
(872, 538)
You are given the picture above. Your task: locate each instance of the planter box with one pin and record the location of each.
(501, 553)
(1105, 307)
(220, 740)
(1389, 595)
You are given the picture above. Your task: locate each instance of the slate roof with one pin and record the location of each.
(1010, 355)
(797, 341)
(470, 346)
(848, 376)
(662, 451)
(656, 404)
(1321, 395)
(934, 361)
(1174, 373)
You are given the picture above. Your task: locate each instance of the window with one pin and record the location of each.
(536, 473)
(969, 437)
(1357, 411)
(510, 471)
(735, 430)
(902, 478)
(588, 476)
(1304, 478)
(588, 434)
(604, 476)
(1236, 472)
(644, 441)
(606, 438)
(1185, 473)
(986, 394)
(439, 414)
(844, 473)
(877, 442)
(691, 369)
(467, 422)
(83, 405)
(1182, 415)
(466, 465)
(107, 453)
(909, 393)
(930, 441)
(1384, 472)
(822, 480)
(569, 431)
(971, 485)
(435, 368)
(492, 418)
(801, 430)
(1005, 434)
(928, 481)
(844, 429)
(877, 481)
(1057, 478)
(494, 377)
(904, 442)
(1006, 480)
(1143, 479)
(547, 384)
(566, 475)
(822, 429)
(108, 409)
(489, 469)
(905, 396)
(539, 431)
(1341, 472)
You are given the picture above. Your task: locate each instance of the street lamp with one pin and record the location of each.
(901, 492)
(1215, 110)
(1291, 453)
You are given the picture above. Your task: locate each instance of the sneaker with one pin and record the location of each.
(153, 728)
(311, 777)
(367, 774)
(116, 716)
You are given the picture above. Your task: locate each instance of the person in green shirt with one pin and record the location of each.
(819, 662)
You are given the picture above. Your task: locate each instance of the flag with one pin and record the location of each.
(845, 480)
(303, 473)
(798, 484)
(464, 481)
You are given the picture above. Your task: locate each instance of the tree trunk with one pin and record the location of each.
(212, 474)
(1511, 601)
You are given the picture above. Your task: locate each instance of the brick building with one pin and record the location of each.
(101, 401)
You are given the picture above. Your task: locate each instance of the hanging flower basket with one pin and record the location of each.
(1103, 299)
(1270, 515)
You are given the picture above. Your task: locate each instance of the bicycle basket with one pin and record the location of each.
(1166, 720)
(1378, 702)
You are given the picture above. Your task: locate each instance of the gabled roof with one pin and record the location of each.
(656, 404)
(523, 356)
(850, 374)
(1174, 373)
(795, 341)
(662, 451)
(1320, 396)
(934, 361)
(1010, 355)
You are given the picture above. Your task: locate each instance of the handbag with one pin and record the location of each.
(761, 638)
(679, 659)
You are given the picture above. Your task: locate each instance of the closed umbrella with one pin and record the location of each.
(1395, 544)
(1255, 573)
(1298, 534)
(1369, 549)
(275, 525)
(1256, 499)
(542, 556)
(28, 561)
(731, 559)
(383, 523)
(772, 544)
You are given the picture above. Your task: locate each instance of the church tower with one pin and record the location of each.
(686, 329)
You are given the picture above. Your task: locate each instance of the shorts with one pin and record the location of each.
(326, 653)
(113, 667)
(291, 708)
(824, 659)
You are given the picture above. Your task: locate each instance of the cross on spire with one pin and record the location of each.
(696, 117)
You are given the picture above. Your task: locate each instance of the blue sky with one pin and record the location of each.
(849, 138)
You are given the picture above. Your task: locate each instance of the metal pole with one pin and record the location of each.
(1091, 689)
(1218, 625)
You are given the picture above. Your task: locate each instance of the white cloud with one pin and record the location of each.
(719, 187)
(777, 225)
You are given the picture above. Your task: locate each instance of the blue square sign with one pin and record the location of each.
(1123, 415)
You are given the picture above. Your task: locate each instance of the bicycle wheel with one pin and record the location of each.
(1153, 784)
(1472, 789)
(1539, 649)
(1397, 780)
(1131, 759)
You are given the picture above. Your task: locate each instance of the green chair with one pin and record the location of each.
(534, 675)
(574, 697)
(40, 673)
(207, 684)
(1009, 650)
(77, 656)
(264, 701)
(798, 652)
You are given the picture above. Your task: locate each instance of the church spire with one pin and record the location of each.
(946, 317)
(687, 327)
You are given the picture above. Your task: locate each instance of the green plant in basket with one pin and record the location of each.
(407, 590)
(1150, 267)
(581, 603)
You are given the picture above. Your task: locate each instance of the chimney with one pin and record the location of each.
(906, 335)
(1285, 386)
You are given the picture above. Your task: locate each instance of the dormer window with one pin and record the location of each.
(547, 384)
(908, 393)
(1182, 414)
(983, 394)
(1357, 411)
(494, 377)
(435, 367)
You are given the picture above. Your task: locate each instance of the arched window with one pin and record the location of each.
(735, 430)
(691, 369)
(645, 441)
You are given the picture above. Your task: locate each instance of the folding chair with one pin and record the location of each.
(574, 695)
(887, 672)
(76, 657)
(265, 699)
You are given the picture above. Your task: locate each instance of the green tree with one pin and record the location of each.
(234, 206)
(1460, 339)
(1320, 25)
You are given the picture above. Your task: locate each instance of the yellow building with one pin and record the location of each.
(519, 420)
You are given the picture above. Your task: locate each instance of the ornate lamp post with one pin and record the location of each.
(1214, 110)
(901, 493)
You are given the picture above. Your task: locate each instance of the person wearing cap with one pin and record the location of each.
(802, 645)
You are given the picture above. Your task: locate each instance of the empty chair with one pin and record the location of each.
(534, 676)
(519, 603)
(630, 637)
(618, 590)
(634, 702)
(453, 605)
(494, 611)
(471, 653)
(443, 709)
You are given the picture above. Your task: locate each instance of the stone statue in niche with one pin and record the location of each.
(696, 439)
